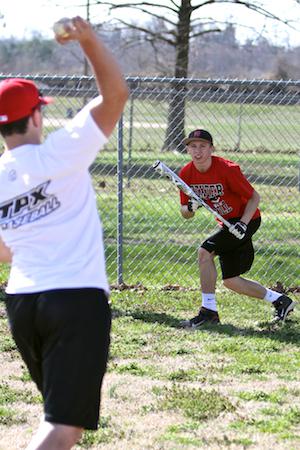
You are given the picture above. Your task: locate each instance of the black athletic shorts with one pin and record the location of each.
(235, 255)
(63, 336)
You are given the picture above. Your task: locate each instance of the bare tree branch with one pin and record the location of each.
(154, 34)
(250, 5)
(138, 5)
(178, 33)
(157, 16)
(203, 32)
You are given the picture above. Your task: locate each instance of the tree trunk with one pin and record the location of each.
(176, 113)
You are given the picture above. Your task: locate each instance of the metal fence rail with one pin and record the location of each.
(255, 123)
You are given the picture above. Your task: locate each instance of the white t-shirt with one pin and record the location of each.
(48, 211)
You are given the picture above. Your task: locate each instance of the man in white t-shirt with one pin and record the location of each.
(50, 231)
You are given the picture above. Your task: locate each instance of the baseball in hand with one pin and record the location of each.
(59, 27)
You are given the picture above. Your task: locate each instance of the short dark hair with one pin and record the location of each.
(18, 126)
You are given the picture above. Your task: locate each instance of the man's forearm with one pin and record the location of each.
(251, 207)
(5, 253)
(108, 76)
(110, 81)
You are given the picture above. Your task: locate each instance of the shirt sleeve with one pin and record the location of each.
(238, 183)
(75, 146)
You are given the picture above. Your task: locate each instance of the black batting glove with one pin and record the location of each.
(239, 230)
(193, 205)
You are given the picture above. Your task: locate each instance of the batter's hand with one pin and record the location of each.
(193, 205)
(238, 230)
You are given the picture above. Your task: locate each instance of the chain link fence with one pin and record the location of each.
(255, 123)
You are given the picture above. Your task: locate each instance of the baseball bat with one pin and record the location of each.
(165, 171)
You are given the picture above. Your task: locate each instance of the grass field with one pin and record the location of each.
(234, 386)
(230, 386)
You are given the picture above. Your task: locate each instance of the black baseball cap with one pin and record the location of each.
(198, 135)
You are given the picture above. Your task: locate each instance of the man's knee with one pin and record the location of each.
(67, 436)
(55, 436)
(204, 256)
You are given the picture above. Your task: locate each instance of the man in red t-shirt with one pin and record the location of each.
(222, 185)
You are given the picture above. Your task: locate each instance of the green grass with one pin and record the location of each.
(243, 344)
(278, 397)
(4, 271)
(104, 435)
(8, 417)
(277, 422)
(9, 414)
(9, 395)
(244, 348)
(241, 375)
(196, 404)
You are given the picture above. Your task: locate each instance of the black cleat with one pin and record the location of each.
(283, 306)
(205, 316)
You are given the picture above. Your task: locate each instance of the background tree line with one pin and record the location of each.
(214, 55)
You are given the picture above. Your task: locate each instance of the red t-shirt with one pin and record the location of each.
(223, 187)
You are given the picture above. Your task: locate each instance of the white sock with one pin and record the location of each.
(209, 301)
(271, 296)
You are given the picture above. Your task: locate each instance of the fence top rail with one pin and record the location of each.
(215, 81)
(82, 79)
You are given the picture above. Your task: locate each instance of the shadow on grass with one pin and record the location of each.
(287, 332)
(149, 317)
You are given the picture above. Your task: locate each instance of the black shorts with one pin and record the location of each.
(63, 336)
(236, 256)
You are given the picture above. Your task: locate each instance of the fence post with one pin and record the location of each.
(239, 130)
(130, 140)
(120, 202)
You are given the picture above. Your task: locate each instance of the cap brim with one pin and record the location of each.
(188, 140)
(46, 100)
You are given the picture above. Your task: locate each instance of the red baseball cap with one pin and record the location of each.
(18, 98)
